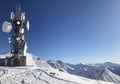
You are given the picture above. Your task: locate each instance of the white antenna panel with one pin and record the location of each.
(28, 25)
(6, 27)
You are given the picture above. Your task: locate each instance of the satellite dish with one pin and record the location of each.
(6, 27)
(27, 25)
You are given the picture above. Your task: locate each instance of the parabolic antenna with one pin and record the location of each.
(6, 27)
(27, 25)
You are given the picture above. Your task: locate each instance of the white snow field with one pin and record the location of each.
(40, 73)
(97, 72)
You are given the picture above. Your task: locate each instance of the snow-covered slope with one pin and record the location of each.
(41, 73)
(96, 71)
(3, 55)
(115, 68)
(107, 75)
(59, 65)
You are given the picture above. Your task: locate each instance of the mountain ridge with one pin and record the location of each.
(93, 71)
(41, 73)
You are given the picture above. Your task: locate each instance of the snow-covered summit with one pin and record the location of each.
(42, 73)
(107, 75)
(96, 71)
(59, 65)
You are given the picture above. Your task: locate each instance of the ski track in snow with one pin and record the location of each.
(14, 76)
(96, 72)
(59, 78)
(41, 73)
(32, 72)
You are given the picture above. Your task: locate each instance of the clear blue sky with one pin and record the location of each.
(70, 30)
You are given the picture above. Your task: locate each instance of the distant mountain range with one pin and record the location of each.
(42, 73)
(105, 71)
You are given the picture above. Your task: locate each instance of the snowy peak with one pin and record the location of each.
(96, 71)
(107, 75)
(59, 65)
(42, 73)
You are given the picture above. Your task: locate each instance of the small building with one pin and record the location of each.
(16, 61)
(17, 40)
(2, 61)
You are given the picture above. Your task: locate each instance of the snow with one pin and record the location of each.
(109, 76)
(25, 75)
(41, 73)
(4, 55)
(96, 71)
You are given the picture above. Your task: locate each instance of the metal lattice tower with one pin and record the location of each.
(18, 36)
(17, 40)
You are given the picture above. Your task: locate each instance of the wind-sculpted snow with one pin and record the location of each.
(41, 73)
(3, 72)
(107, 75)
(96, 71)
(28, 75)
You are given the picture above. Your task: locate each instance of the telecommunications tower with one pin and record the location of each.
(16, 28)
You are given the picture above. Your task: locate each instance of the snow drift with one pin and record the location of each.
(41, 73)
(96, 71)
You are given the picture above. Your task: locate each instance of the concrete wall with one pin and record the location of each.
(26, 61)
(2, 62)
(29, 61)
(22, 61)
